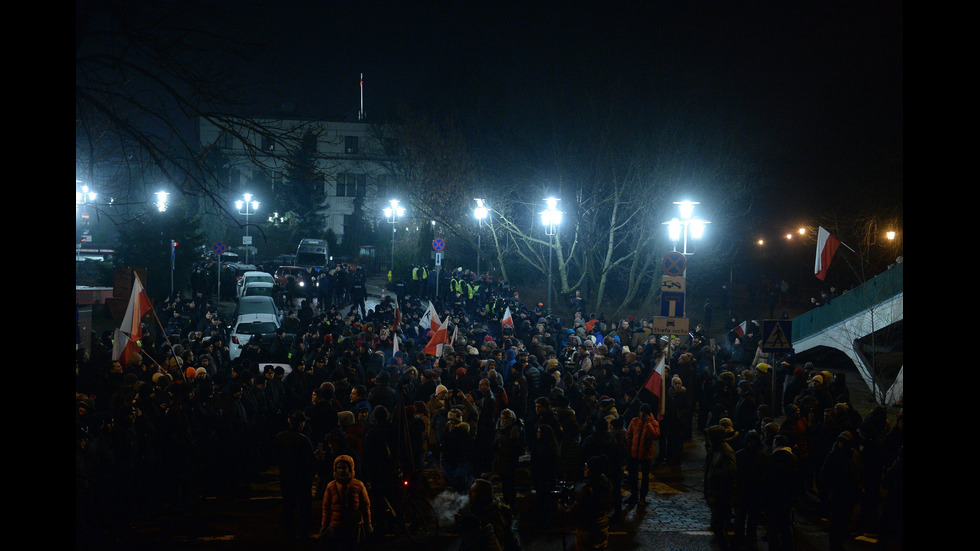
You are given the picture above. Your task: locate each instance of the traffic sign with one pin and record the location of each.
(674, 263)
(672, 283)
(438, 259)
(438, 244)
(672, 304)
(777, 335)
(218, 247)
(670, 326)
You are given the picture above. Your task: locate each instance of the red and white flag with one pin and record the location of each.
(655, 384)
(438, 341)
(827, 245)
(398, 317)
(507, 319)
(430, 319)
(740, 328)
(126, 339)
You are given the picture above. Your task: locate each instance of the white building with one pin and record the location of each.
(254, 156)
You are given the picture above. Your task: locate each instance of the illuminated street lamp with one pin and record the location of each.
(249, 207)
(480, 213)
(83, 195)
(686, 225)
(391, 213)
(161, 203)
(551, 218)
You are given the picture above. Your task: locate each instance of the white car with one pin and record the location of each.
(258, 289)
(246, 327)
(257, 305)
(251, 276)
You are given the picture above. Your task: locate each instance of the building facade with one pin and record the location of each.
(352, 163)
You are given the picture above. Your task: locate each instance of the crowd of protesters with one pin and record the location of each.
(181, 421)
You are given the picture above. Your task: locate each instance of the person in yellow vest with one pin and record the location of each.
(423, 280)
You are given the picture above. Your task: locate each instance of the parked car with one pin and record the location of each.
(248, 326)
(253, 275)
(258, 305)
(258, 289)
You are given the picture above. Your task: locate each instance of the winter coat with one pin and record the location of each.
(346, 504)
(641, 437)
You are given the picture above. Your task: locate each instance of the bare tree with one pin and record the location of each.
(145, 75)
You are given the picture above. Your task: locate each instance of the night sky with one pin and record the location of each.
(811, 91)
(815, 88)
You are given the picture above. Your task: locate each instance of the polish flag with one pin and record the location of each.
(126, 339)
(655, 385)
(398, 317)
(438, 341)
(507, 319)
(827, 245)
(430, 319)
(740, 328)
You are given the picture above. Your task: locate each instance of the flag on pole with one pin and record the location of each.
(739, 329)
(438, 341)
(827, 245)
(507, 319)
(655, 385)
(394, 345)
(126, 338)
(398, 317)
(430, 319)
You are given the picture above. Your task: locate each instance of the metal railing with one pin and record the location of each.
(863, 297)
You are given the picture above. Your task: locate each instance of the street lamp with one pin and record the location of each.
(161, 203)
(391, 212)
(84, 195)
(551, 218)
(249, 207)
(687, 224)
(480, 213)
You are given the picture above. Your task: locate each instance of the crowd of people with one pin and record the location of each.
(349, 390)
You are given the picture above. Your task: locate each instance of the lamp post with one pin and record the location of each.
(551, 218)
(161, 205)
(480, 213)
(83, 196)
(687, 224)
(391, 213)
(681, 228)
(250, 207)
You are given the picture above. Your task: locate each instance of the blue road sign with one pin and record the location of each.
(777, 335)
(438, 244)
(218, 247)
(674, 263)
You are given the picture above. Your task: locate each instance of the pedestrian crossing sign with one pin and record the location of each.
(777, 335)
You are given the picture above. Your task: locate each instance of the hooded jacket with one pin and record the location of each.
(346, 505)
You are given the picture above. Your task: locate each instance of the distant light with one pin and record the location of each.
(789, 236)
(802, 231)
(761, 242)
(890, 235)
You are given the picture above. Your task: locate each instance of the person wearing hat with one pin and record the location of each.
(719, 481)
(781, 488)
(297, 463)
(346, 508)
